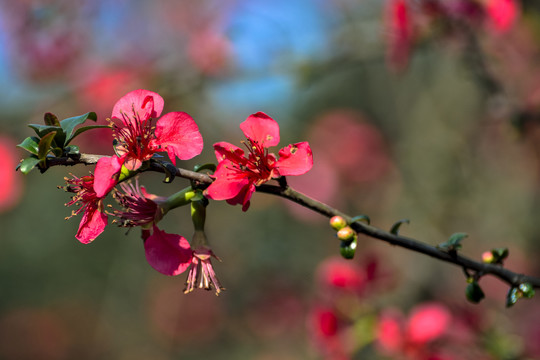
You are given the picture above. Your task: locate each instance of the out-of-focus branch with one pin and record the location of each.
(510, 277)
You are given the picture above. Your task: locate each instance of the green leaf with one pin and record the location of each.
(44, 145)
(68, 125)
(72, 151)
(51, 119)
(474, 292)
(499, 254)
(86, 128)
(30, 144)
(453, 243)
(348, 248)
(42, 130)
(28, 164)
(363, 218)
(395, 228)
(170, 172)
(208, 166)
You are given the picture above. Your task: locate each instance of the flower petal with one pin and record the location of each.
(295, 159)
(261, 128)
(178, 133)
(427, 322)
(229, 182)
(225, 150)
(243, 197)
(170, 254)
(106, 174)
(92, 224)
(147, 104)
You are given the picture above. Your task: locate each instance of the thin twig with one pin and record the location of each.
(510, 277)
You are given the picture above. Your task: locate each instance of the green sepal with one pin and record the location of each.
(363, 218)
(395, 228)
(474, 292)
(28, 164)
(30, 144)
(50, 119)
(453, 243)
(347, 249)
(199, 197)
(44, 145)
(514, 294)
(126, 174)
(198, 214)
(208, 166)
(68, 125)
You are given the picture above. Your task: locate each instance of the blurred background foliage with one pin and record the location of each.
(432, 116)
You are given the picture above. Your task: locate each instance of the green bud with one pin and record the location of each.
(527, 290)
(347, 249)
(474, 292)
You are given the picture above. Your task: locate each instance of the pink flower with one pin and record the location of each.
(136, 139)
(94, 218)
(502, 13)
(170, 254)
(140, 207)
(237, 175)
(201, 272)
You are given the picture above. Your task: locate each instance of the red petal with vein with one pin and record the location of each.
(146, 103)
(92, 224)
(261, 128)
(295, 159)
(170, 254)
(106, 174)
(225, 150)
(229, 182)
(178, 133)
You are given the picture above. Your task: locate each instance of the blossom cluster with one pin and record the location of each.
(140, 132)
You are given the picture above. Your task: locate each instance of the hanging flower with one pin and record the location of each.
(201, 272)
(237, 176)
(94, 218)
(137, 140)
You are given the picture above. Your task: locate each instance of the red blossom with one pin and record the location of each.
(170, 254)
(237, 176)
(137, 141)
(94, 218)
(502, 13)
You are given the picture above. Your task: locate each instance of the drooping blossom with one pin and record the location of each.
(137, 139)
(237, 175)
(170, 254)
(140, 208)
(94, 218)
(399, 33)
(201, 272)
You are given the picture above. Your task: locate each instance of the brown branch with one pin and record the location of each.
(510, 277)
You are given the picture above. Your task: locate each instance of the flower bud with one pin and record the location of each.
(487, 257)
(346, 234)
(337, 222)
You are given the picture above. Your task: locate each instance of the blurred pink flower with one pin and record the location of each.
(399, 33)
(339, 274)
(209, 51)
(325, 325)
(502, 14)
(11, 182)
(411, 338)
(94, 218)
(238, 176)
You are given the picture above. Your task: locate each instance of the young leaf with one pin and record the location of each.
(499, 254)
(68, 125)
(28, 164)
(207, 166)
(453, 243)
(474, 292)
(348, 248)
(30, 144)
(44, 145)
(527, 290)
(513, 296)
(51, 119)
(42, 130)
(363, 218)
(395, 228)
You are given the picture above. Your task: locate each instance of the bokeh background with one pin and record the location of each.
(426, 110)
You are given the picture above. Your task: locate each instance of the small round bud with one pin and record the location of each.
(337, 222)
(346, 234)
(487, 257)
